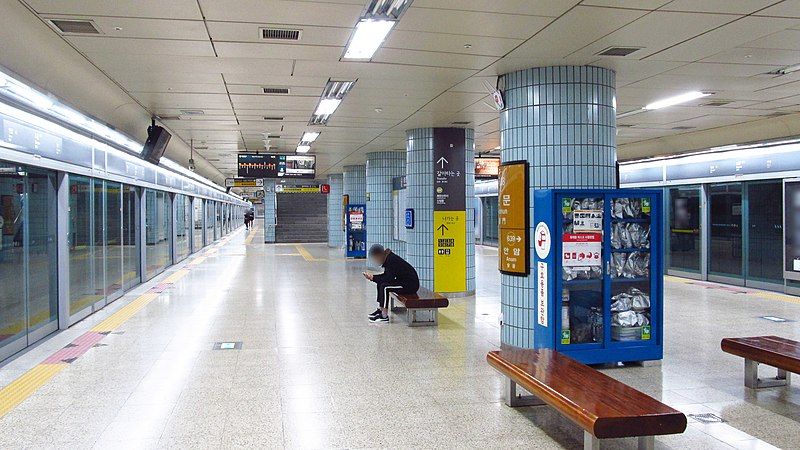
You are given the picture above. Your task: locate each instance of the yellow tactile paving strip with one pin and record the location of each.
(23, 387)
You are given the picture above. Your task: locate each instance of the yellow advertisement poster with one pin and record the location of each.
(450, 251)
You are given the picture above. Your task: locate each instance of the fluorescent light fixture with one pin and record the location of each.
(367, 38)
(303, 148)
(309, 136)
(330, 100)
(327, 106)
(678, 99)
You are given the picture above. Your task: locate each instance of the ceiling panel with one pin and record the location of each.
(432, 59)
(655, 31)
(550, 8)
(718, 6)
(471, 23)
(786, 8)
(723, 38)
(450, 43)
(173, 9)
(784, 40)
(152, 47)
(283, 12)
(277, 51)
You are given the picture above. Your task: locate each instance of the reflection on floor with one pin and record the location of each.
(312, 372)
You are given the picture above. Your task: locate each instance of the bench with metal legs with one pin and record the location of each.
(604, 407)
(780, 353)
(424, 301)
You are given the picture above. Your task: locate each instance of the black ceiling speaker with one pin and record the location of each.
(157, 141)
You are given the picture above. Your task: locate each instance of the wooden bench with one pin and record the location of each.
(783, 354)
(423, 300)
(604, 407)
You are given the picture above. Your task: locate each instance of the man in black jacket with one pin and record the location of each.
(398, 276)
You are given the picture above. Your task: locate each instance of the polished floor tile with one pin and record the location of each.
(313, 373)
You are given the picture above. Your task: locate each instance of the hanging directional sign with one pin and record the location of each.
(449, 210)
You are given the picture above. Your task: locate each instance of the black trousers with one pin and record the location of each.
(394, 286)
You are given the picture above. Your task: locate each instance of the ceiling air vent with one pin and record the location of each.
(276, 90)
(170, 117)
(192, 112)
(280, 34)
(777, 114)
(618, 51)
(716, 103)
(274, 118)
(683, 127)
(273, 136)
(461, 123)
(625, 125)
(75, 26)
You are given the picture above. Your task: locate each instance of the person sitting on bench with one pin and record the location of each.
(398, 276)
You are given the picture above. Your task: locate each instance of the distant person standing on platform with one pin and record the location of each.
(248, 219)
(398, 276)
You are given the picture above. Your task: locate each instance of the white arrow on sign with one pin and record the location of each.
(442, 161)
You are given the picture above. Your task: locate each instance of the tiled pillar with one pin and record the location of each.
(335, 211)
(420, 197)
(381, 168)
(270, 211)
(562, 121)
(355, 184)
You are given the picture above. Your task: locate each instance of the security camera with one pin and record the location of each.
(191, 164)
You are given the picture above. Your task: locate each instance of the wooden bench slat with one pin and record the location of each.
(771, 350)
(598, 403)
(424, 298)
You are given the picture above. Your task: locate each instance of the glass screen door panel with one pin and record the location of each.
(42, 253)
(12, 264)
(114, 248)
(81, 287)
(725, 256)
(490, 226)
(765, 232)
(684, 229)
(130, 238)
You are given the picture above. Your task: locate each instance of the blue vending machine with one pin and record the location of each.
(598, 262)
(356, 227)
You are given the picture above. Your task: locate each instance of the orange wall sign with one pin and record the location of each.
(512, 212)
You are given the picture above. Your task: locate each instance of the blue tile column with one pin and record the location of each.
(562, 120)
(420, 197)
(270, 211)
(354, 180)
(381, 168)
(335, 211)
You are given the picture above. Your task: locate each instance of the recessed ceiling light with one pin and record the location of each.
(367, 38)
(378, 110)
(310, 136)
(676, 100)
(373, 27)
(330, 99)
(327, 106)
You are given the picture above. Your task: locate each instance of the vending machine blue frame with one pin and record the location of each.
(356, 236)
(598, 272)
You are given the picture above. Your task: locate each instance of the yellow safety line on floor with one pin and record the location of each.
(22, 388)
(249, 239)
(304, 253)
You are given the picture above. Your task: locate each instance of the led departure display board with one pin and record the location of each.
(512, 215)
(266, 165)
